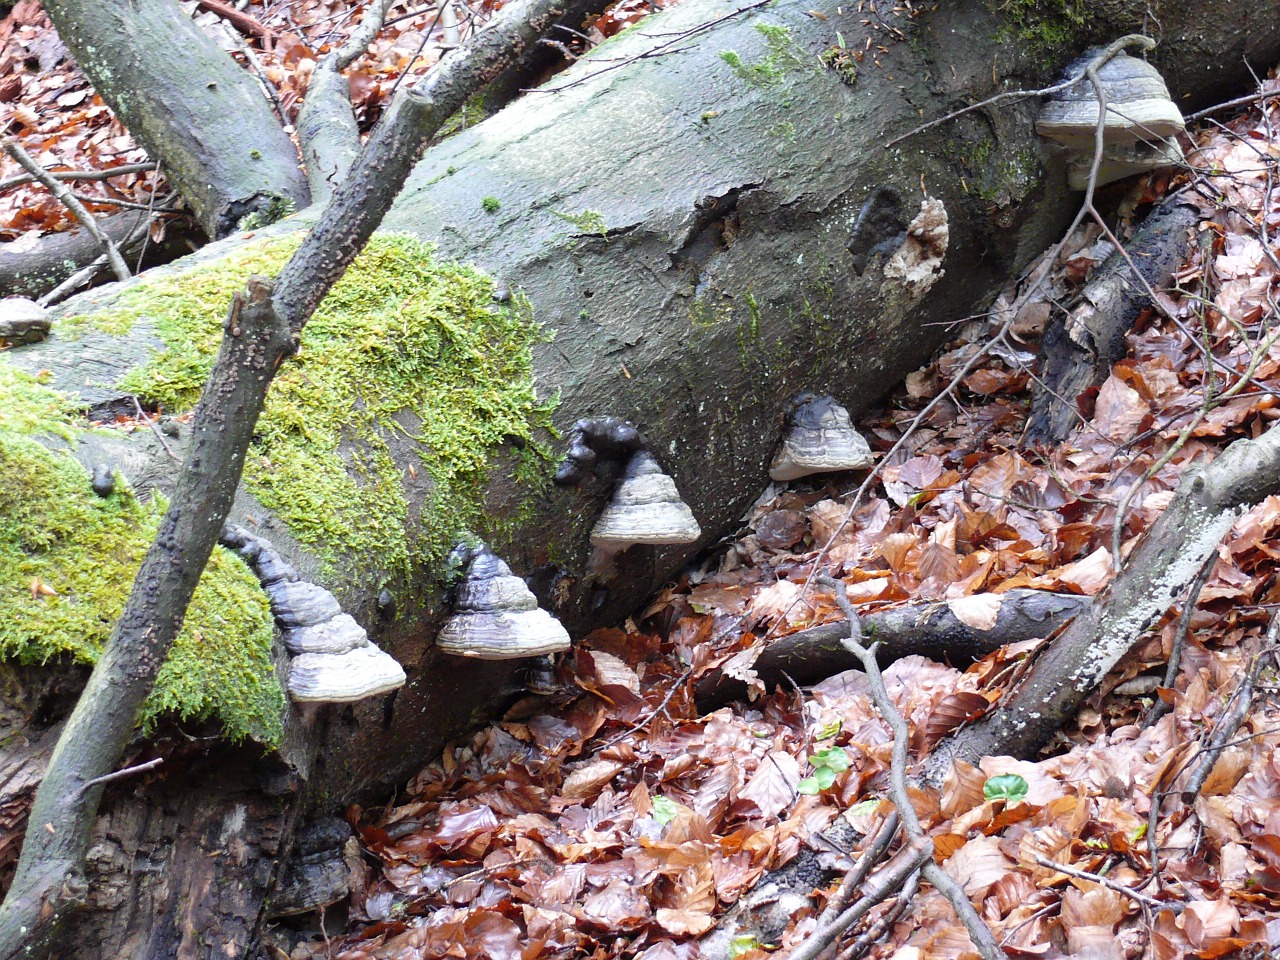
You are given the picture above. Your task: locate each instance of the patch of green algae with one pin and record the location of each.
(56, 534)
(405, 352)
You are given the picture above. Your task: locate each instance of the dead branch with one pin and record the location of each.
(1165, 562)
(107, 174)
(68, 200)
(922, 629)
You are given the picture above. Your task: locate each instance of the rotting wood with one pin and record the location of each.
(1080, 348)
(921, 629)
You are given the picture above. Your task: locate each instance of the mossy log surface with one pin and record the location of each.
(678, 214)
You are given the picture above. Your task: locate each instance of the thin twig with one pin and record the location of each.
(120, 171)
(1229, 104)
(1161, 706)
(654, 51)
(68, 200)
(121, 774)
(1110, 884)
(984, 940)
(142, 415)
(1230, 721)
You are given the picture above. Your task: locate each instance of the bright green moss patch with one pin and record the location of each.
(782, 56)
(67, 562)
(405, 353)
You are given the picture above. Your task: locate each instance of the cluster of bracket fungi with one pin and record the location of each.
(495, 615)
(332, 660)
(1140, 128)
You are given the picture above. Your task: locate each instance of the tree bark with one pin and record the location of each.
(55, 257)
(723, 285)
(189, 105)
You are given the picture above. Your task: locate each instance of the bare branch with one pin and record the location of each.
(68, 200)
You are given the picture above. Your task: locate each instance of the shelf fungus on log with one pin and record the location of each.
(332, 658)
(820, 439)
(497, 617)
(646, 508)
(1141, 124)
(608, 437)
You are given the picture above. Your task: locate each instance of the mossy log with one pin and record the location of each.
(679, 212)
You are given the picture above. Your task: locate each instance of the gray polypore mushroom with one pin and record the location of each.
(1140, 125)
(646, 508)
(333, 660)
(820, 439)
(497, 617)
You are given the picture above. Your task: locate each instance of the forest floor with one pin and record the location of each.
(616, 820)
(612, 819)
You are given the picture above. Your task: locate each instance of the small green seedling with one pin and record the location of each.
(664, 809)
(826, 765)
(1008, 787)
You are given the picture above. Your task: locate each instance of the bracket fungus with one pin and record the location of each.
(1141, 122)
(646, 508)
(497, 617)
(610, 437)
(333, 660)
(820, 439)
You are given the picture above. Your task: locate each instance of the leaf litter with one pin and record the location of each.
(613, 820)
(616, 821)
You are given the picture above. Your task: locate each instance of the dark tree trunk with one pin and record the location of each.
(724, 285)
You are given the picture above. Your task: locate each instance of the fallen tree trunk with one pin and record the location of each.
(1166, 561)
(38, 269)
(688, 244)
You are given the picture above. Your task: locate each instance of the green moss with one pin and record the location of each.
(1043, 25)
(841, 59)
(781, 55)
(589, 223)
(277, 209)
(491, 204)
(68, 559)
(404, 354)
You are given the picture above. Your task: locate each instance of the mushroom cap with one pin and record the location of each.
(342, 677)
(497, 617)
(1138, 106)
(1124, 160)
(297, 603)
(337, 635)
(820, 439)
(646, 508)
(503, 636)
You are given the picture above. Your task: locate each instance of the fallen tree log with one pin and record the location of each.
(665, 231)
(1166, 561)
(1081, 346)
(38, 269)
